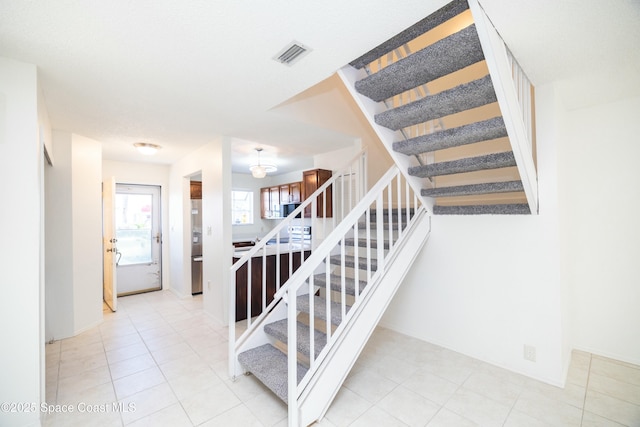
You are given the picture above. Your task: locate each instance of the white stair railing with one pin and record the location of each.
(377, 224)
(513, 91)
(344, 190)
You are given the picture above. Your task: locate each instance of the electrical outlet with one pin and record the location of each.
(209, 284)
(529, 353)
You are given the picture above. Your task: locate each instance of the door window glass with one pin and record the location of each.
(133, 228)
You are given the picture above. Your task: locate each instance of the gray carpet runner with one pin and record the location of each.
(460, 98)
(363, 243)
(269, 365)
(430, 22)
(504, 209)
(448, 55)
(320, 305)
(350, 261)
(462, 49)
(468, 190)
(469, 164)
(468, 134)
(335, 283)
(279, 331)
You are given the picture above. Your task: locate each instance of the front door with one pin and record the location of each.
(138, 228)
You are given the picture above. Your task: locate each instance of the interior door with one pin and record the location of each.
(139, 238)
(109, 277)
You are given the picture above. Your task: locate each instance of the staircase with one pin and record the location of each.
(331, 304)
(456, 118)
(454, 110)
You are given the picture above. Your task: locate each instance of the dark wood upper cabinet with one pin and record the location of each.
(265, 197)
(272, 197)
(274, 201)
(284, 194)
(196, 190)
(311, 181)
(295, 191)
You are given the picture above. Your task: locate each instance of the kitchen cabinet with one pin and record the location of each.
(272, 197)
(295, 192)
(196, 189)
(256, 281)
(290, 193)
(274, 201)
(265, 198)
(270, 202)
(284, 193)
(311, 181)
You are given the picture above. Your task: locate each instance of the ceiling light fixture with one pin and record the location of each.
(260, 170)
(146, 148)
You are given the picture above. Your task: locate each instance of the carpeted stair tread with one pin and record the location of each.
(506, 209)
(394, 213)
(469, 164)
(269, 365)
(430, 22)
(320, 307)
(279, 331)
(362, 243)
(350, 261)
(460, 98)
(450, 54)
(336, 283)
(468, 134)
(362, 225)
(467, 190)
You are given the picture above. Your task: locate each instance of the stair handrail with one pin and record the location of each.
(513, 89)
(357, 163)
(304, 275)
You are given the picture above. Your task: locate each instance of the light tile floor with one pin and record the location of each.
(164, 362)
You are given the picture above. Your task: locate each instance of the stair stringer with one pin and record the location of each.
(369, 108)
(495, 52)
(318, 394)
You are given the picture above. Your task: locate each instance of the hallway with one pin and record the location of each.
(165, 362)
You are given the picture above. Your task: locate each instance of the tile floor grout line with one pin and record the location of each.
(586, 390)
(513, 405)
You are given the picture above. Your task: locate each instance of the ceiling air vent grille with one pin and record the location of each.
(292, 53)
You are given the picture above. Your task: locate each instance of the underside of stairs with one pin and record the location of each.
(438, 96)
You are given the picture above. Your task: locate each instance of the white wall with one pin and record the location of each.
(487, 285)
(87, 232)
(213, 161)
(600, 177)
(21, 358)
(59, 242)
(73, 236)
(147, 174)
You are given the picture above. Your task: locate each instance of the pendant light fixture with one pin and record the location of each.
(260, 170)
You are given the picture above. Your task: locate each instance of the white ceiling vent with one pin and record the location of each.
(292, 53)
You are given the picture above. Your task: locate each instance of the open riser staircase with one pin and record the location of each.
(454, 110)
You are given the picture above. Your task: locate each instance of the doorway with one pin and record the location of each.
(139, 237)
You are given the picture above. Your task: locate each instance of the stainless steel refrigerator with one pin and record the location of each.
(196, 246)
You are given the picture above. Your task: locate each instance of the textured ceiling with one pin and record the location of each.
(180, 74)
